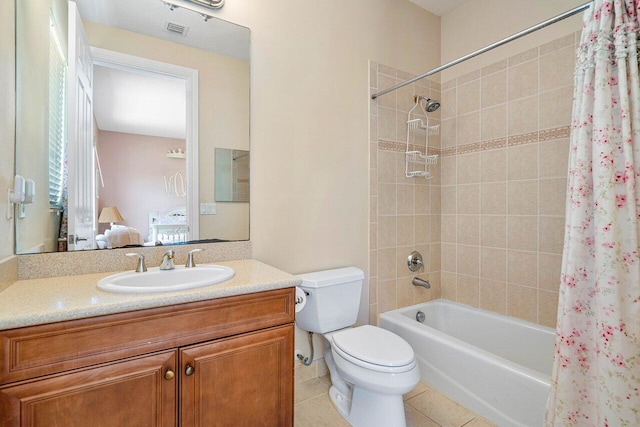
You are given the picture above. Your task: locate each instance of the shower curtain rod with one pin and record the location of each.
(488, 48)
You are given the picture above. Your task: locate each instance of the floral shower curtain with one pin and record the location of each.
(596, 373)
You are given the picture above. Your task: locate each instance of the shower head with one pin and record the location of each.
(430, 105)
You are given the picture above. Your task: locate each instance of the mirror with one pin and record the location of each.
(146, 176)
(232, 175)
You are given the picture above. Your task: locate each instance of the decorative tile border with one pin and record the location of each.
(490, 144)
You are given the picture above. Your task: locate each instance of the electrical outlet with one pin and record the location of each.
(208, 209)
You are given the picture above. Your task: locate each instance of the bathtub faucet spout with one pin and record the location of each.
(421, 282)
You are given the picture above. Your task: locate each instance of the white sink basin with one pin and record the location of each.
(156, 280)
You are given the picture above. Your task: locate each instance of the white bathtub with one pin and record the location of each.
(497, 366)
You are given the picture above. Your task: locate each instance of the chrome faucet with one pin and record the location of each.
(140, 267)
(190, 262)
(167, 261)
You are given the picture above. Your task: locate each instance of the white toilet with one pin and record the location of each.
(371, 368)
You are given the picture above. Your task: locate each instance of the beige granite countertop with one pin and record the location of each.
(39, 301)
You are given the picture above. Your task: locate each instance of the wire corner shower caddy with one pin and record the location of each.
(417, 162)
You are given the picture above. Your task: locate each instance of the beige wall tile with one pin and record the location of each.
(493, 264)
(405, 95)
(549, 267)
(494, 89)
(449, 103)
(527, 55)
(405, 292)
(373, 263)
(435, 200)
(387, 233)
(468, 128)
(448, 258)
(522, 232)
(468, 200)
(523, 115)
(373, 182)
(547, 308)
(522, 197)
(493, 231)
(493, 122)
(469, 97)
(468, 290)
(448, 199)
(386, 265)
(373, 74)
(555, 107)
(523, 80)
(405, 230)
(493, 198)
(449, 227)
(553, 195)
(493, 68)
(387, 295)
(553, 158)
(468, 168)
(435, 251)
(422, 229)
(551, 234)
(385, 82)
(562, 42)
(493, 165)
(448, 285)
(435, 226)
(405, 199)
(468, 259)
(373, 236)
(493, 296)
(466, 78)
(386, 123)
(373, 209)
(386, 199)
(556, 69)
(521, 302)
(386, 166)
(373, 290)
(522, 268)
(448, 132)
(522, 161)
(421, 196)
(385, 69)
(468, 229)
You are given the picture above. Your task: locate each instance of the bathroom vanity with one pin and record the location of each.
(213, 361)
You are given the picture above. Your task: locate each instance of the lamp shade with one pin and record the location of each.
(110, 214)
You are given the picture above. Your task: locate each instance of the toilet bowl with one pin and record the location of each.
(370, 367)
(378, 367)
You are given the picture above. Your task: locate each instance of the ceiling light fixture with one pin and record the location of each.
(201, 7)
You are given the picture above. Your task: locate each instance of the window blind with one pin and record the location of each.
(57, 117)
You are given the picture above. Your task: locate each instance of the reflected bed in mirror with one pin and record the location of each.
(127, 162)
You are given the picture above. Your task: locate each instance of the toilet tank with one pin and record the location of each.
(333, 299)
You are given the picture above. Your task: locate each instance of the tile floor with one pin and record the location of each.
(424, 407)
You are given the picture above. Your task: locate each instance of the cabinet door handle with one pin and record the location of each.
(189, 370)
(169, 374)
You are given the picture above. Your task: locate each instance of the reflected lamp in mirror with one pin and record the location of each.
(110, 214)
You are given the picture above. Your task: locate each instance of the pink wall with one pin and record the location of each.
(133, 167)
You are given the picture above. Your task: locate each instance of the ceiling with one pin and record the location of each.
(137, 103)
(144, 104)
(439, 7)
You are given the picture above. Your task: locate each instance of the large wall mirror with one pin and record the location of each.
(120, 105)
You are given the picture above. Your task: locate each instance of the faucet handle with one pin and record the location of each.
(414, 262)
(141, 267)
(190, 262)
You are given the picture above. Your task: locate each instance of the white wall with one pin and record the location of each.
(478, 23)
(7, 121)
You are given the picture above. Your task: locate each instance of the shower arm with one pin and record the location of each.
(487, 48)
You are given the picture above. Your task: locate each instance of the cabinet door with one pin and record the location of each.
(246, 380)
(136, 392)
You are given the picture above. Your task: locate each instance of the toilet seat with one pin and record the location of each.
(374, 348)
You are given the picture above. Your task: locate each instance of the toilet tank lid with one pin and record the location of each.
(319, 279)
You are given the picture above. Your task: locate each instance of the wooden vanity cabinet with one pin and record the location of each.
(223, 362)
